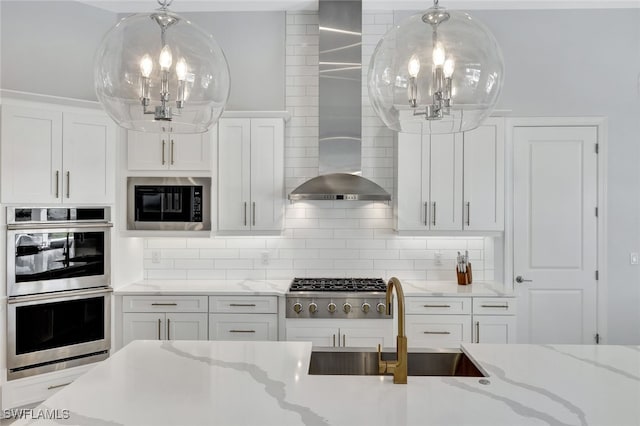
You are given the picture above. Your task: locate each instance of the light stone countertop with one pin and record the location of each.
(266, 383)
(280, 287)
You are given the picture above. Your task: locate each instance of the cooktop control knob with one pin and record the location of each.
(313, 308)
(366, 307)
(297, 307)
(331, 307)
(346, 307)
(381, 308)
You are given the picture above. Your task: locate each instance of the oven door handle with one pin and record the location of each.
(58, 295)
(67, 225)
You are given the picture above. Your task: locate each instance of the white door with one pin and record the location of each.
(190, 151)
(267, 174)
(445, 211)
(494, 329)
(234, 174)
(143, 326)
(318, 336)
(484, 177)
(555, 233)
(147, 151)
(88, 159)
(31, 155)
(186, 326)
(412, 192)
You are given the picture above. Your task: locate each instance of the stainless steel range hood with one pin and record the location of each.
(340, 109)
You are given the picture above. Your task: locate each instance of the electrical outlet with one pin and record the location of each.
(633, 258)
(265, 257)
(438, 258)
(155, 256)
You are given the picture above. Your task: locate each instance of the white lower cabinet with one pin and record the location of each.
(351, 333)
(437, 331)
(494, 320)
(243, 318)
(164, 318)
(16, 393)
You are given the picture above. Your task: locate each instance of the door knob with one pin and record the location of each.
(519, 280)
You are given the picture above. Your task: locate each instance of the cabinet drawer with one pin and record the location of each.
(438, 305)
(435, 331)
(244, 304)
(243, 327)
(164, 304)
(16, 393)
(494, 306)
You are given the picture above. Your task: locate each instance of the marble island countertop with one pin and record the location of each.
(280, 287)
(266, 383)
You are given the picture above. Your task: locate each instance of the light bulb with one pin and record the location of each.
(414, 66)
(181, 69)
(438, 55)
(146, 66)
(165, 58)
(449, 66)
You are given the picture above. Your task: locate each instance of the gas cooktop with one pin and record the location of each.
(338, 284)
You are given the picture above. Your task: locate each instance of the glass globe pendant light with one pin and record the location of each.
(158, 72)
(439, 71)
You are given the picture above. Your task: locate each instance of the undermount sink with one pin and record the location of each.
(354, 362)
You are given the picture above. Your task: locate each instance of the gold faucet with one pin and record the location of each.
(399, 366)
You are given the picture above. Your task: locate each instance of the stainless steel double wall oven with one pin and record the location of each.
(58, 288)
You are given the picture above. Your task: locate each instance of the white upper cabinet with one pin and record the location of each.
(169, 151)
(250, 174)
(55, 155)
(451, 182)
(484, 177)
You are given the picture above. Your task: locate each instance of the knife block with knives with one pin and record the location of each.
(463, 269)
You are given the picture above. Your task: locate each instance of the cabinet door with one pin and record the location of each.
(186, 326)
(445, 167)
(190, 151)
(31, 155)
(412, 192)
(494, 329)
(437, 331)
(484, 177)
(143, 326)
(243, 327)
(267, 174)
(147, 151)
(234, 174)
(318, 336)
(88, 159)
(368, 337)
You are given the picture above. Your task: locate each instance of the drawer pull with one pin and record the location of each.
(58, 386)
(164, 304)
(437, 306)
(505, 306)
(242, 331)
(246, 305)
(437, 332)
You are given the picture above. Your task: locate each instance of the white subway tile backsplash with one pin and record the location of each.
(323, 238)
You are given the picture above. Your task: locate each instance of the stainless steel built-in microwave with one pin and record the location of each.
(169, 203)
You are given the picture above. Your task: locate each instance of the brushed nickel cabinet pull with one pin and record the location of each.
(68, 184)
(434, 213)
(254, 213)
(477, 331)
(159, 325)
(172, 151)
(468, 213)
(164, 145)
(437, 332)
(57, 183)
(245, 213)
(164, 304)
(334, 340)
(505, 306)
(437, 306)
(344, 340)
(168, 329)
(426, 214)
(243, 304)
(242, 331)
(58, 386)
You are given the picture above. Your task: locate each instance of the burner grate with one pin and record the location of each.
(338, 284)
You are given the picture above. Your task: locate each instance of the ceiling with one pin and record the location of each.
(131, 6)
